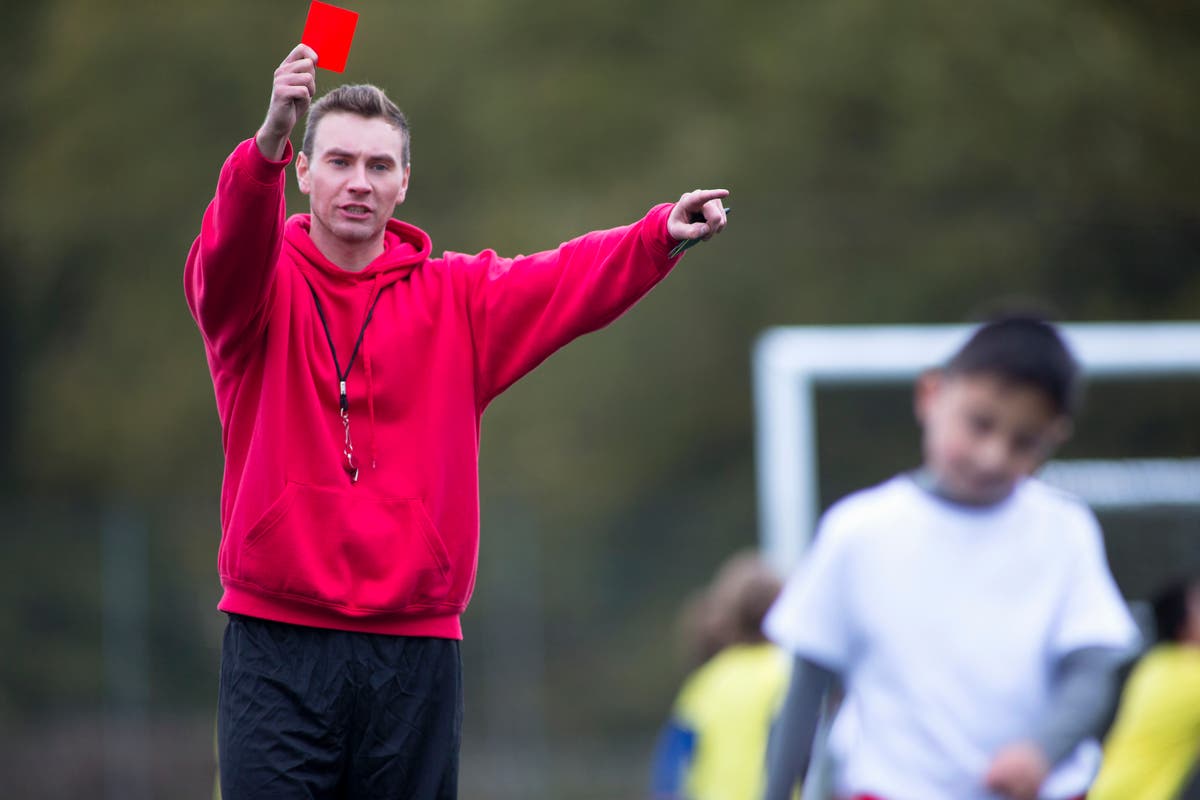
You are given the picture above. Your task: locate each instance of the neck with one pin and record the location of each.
(924, 478)
(350, 256)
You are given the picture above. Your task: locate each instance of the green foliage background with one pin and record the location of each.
(889, 162)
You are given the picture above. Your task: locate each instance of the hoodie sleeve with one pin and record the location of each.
(231, 264)
(523, 309)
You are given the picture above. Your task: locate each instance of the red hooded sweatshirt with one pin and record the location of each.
(393, 551)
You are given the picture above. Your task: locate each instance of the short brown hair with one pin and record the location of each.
(363, 99)
(740, 595)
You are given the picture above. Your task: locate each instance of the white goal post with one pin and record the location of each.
(789, 363)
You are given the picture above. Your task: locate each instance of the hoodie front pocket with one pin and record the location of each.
(347, 548)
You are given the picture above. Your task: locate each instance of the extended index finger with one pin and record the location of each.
(701, 196)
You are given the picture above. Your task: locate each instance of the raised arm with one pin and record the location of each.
(525, 308)
(231, 263)
(292, 92)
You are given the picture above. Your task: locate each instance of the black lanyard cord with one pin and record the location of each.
(344, 403)
(351, 463)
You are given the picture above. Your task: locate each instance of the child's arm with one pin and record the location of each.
(790, 746)
(672, 759)
(1085, 693)
(1084, 699)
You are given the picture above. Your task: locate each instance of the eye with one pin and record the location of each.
(980, 424)
(381, 166)
(1025, 443)
(338, 162)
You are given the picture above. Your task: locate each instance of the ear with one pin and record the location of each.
(404, 184)
(925, 390)
(1061, 431)
(302, 175)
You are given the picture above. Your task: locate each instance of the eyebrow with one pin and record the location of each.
(337, 151)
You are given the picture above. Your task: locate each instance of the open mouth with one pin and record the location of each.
(355, 210)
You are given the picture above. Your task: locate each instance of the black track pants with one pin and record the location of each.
(314, 713)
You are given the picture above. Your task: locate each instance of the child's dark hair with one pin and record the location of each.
(1024, 349)
(1171, 608)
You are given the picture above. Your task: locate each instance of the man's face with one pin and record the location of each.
(354, 179)
(982, 434)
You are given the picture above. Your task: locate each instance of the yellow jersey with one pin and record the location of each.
(1155, 742)
(730, 703)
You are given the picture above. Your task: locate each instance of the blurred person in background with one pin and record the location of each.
(1154, 744)
(967, 607)
(714, 745)
(351, 369)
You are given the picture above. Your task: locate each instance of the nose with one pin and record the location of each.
(992, 455)
(358, 180)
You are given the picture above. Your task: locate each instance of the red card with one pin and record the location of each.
(329, 30)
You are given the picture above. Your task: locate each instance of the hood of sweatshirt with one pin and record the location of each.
(405, 248)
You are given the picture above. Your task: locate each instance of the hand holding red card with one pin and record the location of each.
(329, 30)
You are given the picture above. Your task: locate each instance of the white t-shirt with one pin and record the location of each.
(946, 623)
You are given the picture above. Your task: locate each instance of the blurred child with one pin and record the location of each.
(1155, 742)
(714, 745)
(967, 607)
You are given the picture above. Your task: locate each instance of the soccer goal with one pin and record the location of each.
(791, 363)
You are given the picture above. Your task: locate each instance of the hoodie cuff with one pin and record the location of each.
(258, 167)
(654, 232)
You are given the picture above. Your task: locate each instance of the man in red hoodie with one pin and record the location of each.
(351, 369)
